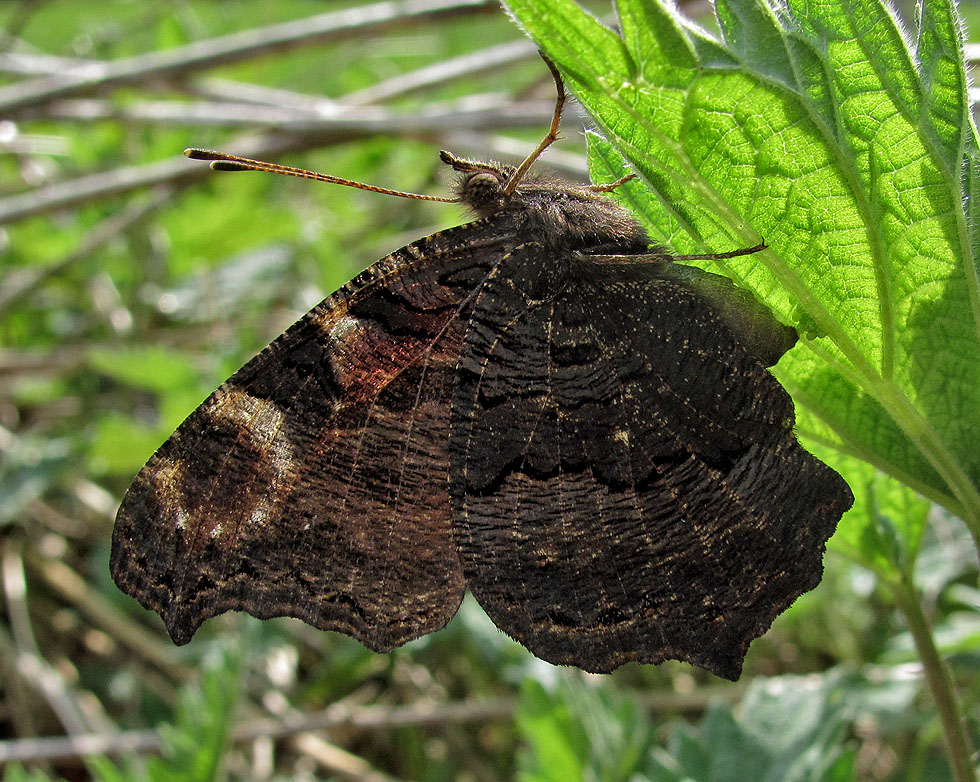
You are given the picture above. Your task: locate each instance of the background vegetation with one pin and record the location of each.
(133, 282)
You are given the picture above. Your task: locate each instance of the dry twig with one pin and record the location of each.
(235, 47)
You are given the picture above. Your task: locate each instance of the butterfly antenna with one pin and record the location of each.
(549, 139)
(222, 162)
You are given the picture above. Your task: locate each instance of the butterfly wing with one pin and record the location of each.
(314, 482)
(626, 482)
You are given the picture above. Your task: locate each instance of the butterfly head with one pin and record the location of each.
(483, 186)
(578, 216)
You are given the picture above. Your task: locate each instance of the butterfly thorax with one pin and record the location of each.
(560, 214)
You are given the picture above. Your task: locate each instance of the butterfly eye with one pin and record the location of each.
(482, 190)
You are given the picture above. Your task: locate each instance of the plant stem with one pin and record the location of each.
(939, 680)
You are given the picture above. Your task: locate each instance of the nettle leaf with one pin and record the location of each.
(848, 147)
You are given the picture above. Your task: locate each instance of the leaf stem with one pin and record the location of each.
(939, 680)
(904, 413)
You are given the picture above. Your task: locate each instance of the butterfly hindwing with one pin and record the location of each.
(644, 496)
(314, 482)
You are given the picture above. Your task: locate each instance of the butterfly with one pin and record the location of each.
(537, 406)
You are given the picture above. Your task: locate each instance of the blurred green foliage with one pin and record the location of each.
(102, 355)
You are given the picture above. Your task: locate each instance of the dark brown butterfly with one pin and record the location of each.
(537, 406)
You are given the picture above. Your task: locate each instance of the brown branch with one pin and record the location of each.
(232, 91)
(337, 761)
(73, 589)
(363, 717)
(479, 62)
(173, 171)
(235, 47)
(32, 64)
(374, 120)
(19, 700)
(340, 716)
(179, 172)
(30, 664)
(482, 61)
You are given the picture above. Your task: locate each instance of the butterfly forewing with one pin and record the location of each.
(645, 497)
(314, 482)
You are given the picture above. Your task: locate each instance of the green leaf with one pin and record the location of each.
(149, 367)
(555, 745)
(785, 729)
(105, 770)
(194, 744)
(31, 465)
(120, 446)
(665, 54)
(754, 36)
(815, 127)
(581, 730)
(884, 530)
(939, 50)
(17, 773)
